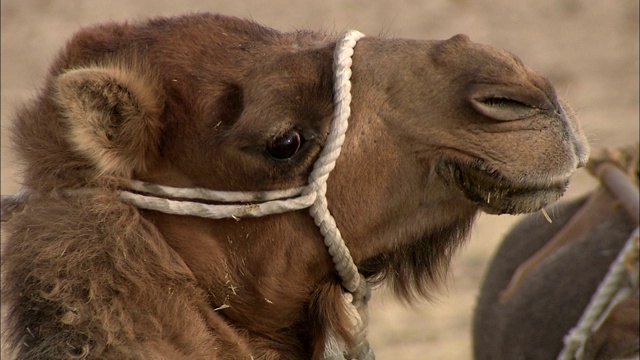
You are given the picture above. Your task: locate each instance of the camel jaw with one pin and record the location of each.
(495, 193)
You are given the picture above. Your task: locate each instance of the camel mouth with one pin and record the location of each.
(496, 193)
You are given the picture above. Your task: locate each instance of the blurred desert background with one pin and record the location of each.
(589, 49)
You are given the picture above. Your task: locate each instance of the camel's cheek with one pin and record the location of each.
(378, 187)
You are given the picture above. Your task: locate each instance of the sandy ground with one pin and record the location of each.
(588, 49)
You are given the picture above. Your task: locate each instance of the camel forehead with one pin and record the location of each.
(205, 46)
(216, 38)
(214, 48)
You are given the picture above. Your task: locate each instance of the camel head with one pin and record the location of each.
(491, 128)
(438, 131)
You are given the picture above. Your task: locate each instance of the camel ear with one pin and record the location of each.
(113, 117)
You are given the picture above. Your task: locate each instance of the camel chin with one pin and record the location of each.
(495, 193)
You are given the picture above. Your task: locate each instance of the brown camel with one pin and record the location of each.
(439, 130)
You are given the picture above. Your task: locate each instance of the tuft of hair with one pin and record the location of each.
(415, 269)
(113, 115)
(329, 320)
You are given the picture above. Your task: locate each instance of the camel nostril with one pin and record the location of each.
(503, 108)
(507, 102)
(503, 102)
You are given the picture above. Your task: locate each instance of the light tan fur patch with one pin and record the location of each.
(113, 113)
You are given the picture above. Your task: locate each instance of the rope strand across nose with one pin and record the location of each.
(313, 196)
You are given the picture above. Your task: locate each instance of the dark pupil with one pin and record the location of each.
(285, 146)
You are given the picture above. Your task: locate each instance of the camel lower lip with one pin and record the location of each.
(495, 193)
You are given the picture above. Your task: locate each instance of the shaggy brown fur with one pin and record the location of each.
(439, 130)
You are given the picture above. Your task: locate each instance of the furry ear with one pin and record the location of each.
(113, 115)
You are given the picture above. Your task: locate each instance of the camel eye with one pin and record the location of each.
(285, 146)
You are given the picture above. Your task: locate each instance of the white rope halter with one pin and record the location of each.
(312, 196)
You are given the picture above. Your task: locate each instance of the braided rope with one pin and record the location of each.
(312, 196)
(217, 211)
(339, 252)
(575, 341)
(212, 195)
